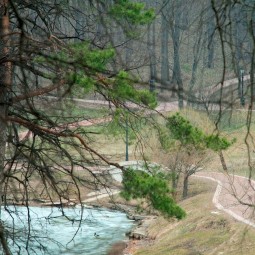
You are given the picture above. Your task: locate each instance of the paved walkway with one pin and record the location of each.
(162, 107)
(214, 88)
(234, 195)
(83, 123)
(94, 196)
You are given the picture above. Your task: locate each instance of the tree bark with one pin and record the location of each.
(210, 38)
(223, 162)
(177, 76)
(175, 180)
(185, 186)
(197, 50)
(152, 51)
(164, 47)
(5, 83)
(3, 240)
(5, 80)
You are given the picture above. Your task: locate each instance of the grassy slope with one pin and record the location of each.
(202, 232)
(234, 126)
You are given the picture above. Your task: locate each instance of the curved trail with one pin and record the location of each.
(233, 195)
(162, 107)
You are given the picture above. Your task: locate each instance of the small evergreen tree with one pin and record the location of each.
(193, 143)
(138, 184)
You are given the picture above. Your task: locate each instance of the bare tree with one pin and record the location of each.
(41, 57)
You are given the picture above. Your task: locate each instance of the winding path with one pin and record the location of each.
(214, 88)
(232, 195)
(235, 195)
(162, 107)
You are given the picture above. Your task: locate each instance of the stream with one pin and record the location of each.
(52, 233)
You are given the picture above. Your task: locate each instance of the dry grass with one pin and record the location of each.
(202, 232)
(113, 148)
(240, 157)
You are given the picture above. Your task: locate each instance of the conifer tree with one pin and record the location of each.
(52, 48)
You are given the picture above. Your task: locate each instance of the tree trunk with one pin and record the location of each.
(191, 96)
(185, 186)
(239, 32)
(211, 54)
(164, 48)
(210, 38)
(3, 240)
(175, 179)
(152, 51)
(196, 58)
(223, 162)
(177, 76)
(5, 83)
(128, 54)
(80, 21)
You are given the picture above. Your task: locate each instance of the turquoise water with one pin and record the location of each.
(54, 233)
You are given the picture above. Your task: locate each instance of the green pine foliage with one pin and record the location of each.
(183, 131)
(132, 12)
(147, 98)
(131, 15)
(164, 138)
(123, 121)
(86, 63)
(215, 143)
(82, 80)
(94, 59)
(138, 184)
(123, 89)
